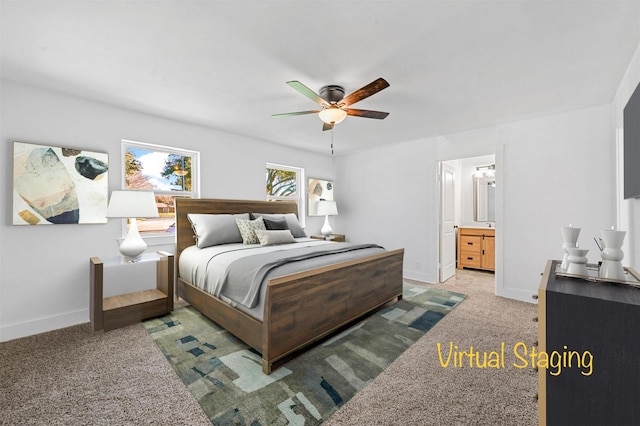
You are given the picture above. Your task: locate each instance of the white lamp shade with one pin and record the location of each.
(327, 208)
(332, 114)
(132, 204)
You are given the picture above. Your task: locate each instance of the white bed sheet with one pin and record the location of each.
(201, 267)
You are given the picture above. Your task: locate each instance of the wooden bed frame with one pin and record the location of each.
(299, 308)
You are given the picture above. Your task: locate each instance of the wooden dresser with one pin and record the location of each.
(576, 315)
(476, 248)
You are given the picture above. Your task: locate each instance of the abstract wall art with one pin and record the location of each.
(55, 185)
(317, 190)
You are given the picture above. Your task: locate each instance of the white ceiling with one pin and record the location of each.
(452, 65)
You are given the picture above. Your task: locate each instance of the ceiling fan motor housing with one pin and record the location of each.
(332, 93)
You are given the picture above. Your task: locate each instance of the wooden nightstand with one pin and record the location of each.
(108, 313)
(338, 238)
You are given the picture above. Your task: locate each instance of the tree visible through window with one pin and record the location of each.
(284, 183)
(168, 172)
(281, 183)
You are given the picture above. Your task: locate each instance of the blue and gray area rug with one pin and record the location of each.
(226, 378)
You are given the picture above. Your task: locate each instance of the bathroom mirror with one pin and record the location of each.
(484, 198)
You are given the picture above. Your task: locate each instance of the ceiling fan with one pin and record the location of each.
(334, 103)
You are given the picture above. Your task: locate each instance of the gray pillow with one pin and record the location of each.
(276, 224)
(216, 229)
(292, 222)
(270, 238)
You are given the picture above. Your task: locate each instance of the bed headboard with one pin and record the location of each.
(184, 232)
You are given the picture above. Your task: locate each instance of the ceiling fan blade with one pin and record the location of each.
(366, 113)
(327, 126)
(291, 114)
(364, 92)
(307, 92)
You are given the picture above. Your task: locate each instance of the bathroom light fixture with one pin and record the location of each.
(488, 170)
(132, 205)
(332, 114)
(327, 208)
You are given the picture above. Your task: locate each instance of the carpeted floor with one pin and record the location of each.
(226, 378)
(76, 377)
(416, 389)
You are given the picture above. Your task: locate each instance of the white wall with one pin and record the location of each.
(558, 170)
(551, 171)
(387, 196)
(44, 270)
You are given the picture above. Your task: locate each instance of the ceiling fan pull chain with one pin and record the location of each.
(332, 142)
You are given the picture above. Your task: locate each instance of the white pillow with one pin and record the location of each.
(270, 238)
(247, 230)
(215, 229)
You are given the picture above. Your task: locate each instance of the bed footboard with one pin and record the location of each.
(304, 307)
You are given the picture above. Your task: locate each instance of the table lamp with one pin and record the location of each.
(327, 208)
(132, 205)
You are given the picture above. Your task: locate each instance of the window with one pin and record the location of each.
(284, 183)
(168, 172)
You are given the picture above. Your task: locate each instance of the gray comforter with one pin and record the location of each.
(248, 273)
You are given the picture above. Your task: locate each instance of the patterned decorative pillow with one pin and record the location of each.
(271, 238)
(247, 230)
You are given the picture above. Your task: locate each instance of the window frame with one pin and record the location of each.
(160, 238)
(300, 189)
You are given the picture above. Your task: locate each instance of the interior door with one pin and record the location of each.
(447, 222)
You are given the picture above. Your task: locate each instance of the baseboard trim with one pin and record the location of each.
(418, 276)
(42, 325)
(515, 293)
(416, 282)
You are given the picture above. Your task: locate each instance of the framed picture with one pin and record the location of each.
(317, 190)
(55, 185)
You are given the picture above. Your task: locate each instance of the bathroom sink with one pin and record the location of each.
(479, 226)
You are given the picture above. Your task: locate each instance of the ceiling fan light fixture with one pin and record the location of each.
(332, 115)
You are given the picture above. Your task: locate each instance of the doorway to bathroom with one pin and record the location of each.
(467, 213)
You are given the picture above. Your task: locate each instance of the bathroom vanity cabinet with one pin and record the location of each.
(477, 248)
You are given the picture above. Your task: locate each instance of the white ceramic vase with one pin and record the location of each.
(570, 239)
(577, 261)
(612, 255)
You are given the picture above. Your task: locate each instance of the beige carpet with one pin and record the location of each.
(416, 389)
(76, 377)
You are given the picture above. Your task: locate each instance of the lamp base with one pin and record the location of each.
(133, 245)
(326, 228)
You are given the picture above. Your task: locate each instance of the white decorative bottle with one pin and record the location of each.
(570, 238)
(612, 255)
